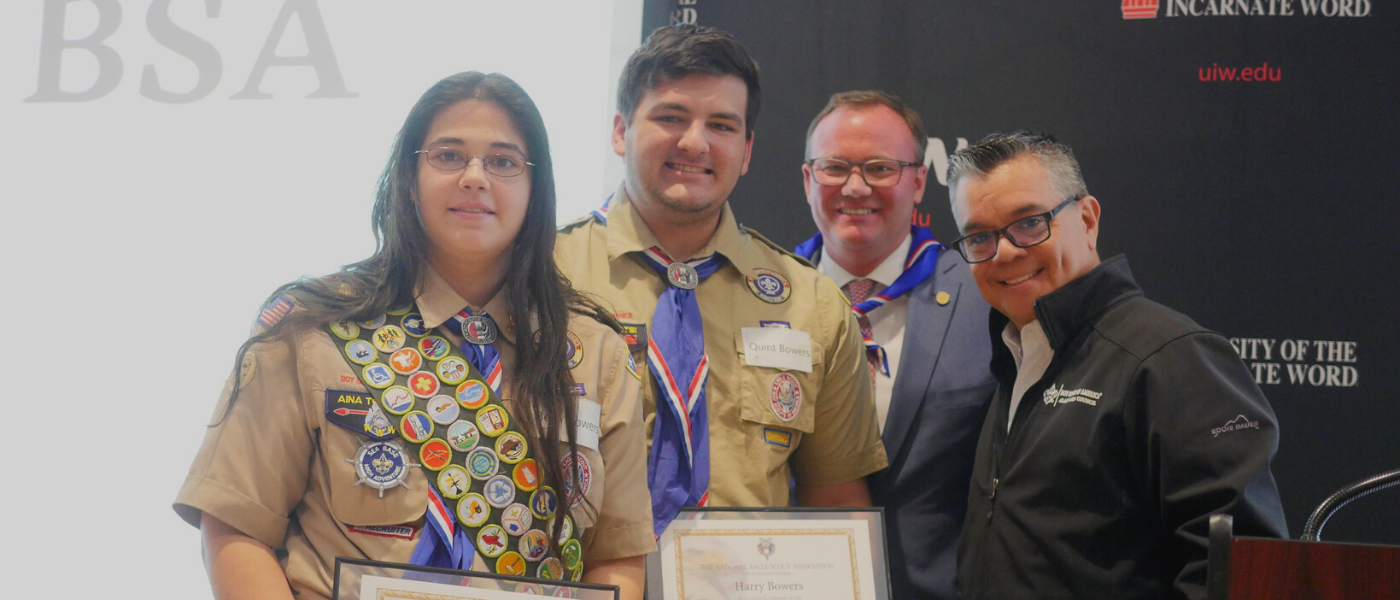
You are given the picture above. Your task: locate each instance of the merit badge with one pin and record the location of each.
(785, 396)
(360, 352)
(452, 370)
(453, 482)
(492, 420)
(413, 325)
(510, 563)
(543, 503)
(575, 575)
(482, 463)
(443, 410)
(769, 286)
(377, 375)
(526, 475)
(511, 447)
(463, 435)
(499, 492)
(567, 465)
(551, 568)
(374, 323)
(575, 355)
(433, 347)
(473, 510)
(423, 384)
(399, 310)
(572, 551)
(388, 339)
(416, 427)
(566, 530)
(471, 394)
(381, 465)
(435, 454)
(682, 275)
(397, 400)
(406, 361)
(491, 540)
(635, 334)
(534, 544)
(516, 518)
(345, 330)
(478, 330)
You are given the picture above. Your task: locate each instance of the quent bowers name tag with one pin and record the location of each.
(777, 348)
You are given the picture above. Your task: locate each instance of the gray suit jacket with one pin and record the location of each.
(941, 394)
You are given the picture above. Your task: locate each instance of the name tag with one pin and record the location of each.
(778, 348)
(590, 417)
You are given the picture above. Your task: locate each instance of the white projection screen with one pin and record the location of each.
(167, 164)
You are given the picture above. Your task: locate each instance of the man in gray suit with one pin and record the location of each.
(922, 320)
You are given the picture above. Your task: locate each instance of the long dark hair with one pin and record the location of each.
(545, 405)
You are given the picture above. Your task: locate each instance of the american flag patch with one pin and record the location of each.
(274, 312)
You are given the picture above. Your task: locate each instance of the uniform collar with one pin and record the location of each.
(438, 303)
(884, 274)
(627, 233)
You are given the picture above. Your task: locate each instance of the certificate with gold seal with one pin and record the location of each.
(371, 580)
(771, 554)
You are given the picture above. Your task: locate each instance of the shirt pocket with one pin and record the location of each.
(778, 398)
(362, 504)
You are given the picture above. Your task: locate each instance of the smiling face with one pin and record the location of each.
(685, 147)
(1013, 280)
(862, 224)
(470, 216)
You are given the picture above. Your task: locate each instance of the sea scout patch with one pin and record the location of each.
(473, 510)
(785, 396)
(575, 355)
(567, 465)
(769, 286)
(635, 334)
(381, 465)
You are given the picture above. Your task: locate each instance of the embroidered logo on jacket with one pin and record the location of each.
(1055, 396)
(1236, 424)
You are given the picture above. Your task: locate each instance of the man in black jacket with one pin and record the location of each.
(1119, 425)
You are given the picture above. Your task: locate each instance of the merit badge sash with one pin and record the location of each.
(429, 407)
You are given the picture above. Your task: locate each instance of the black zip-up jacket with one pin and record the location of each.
(1143, 426)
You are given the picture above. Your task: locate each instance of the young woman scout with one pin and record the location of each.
(449, 401)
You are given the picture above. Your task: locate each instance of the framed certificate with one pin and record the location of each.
(370, 580)
(773, 554)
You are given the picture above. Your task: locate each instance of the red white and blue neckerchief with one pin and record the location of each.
(918, 267)
(483, 356)
(443, 543)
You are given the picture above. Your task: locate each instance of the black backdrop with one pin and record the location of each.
(1263, 209)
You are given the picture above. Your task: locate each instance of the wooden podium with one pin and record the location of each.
(1256, 568)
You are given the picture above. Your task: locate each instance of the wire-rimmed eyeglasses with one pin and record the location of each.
(451, 159)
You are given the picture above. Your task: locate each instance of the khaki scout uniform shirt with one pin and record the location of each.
(275, 468)
(833, 438)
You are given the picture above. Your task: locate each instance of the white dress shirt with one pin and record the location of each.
(886, 322)
(1033, 353)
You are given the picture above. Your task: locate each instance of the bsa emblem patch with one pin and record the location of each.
(397, 400)
(416, 427)
(526, 475)
(413, 325)
(423, 384)
(452, 370)
(471, 394)
(491, 541)
(500, 492)
(769, 286)
(433, 347)
(785, 397)
(377, 375)
(443, 410)
(381, 465)
(345, 330)
(516, 518)
(405, 361)
(575, 355)
(492, 420)
(360, 352)
(534, 544)
(511, 447)
(463, 435)
(453, 482)
(388, 339)
(435, 454)
(482, 463)
(473, 510)
(567, 465)
(635, 334)
(510, 563)
(374, 323)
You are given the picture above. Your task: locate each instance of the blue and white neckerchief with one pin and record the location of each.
(918, 267)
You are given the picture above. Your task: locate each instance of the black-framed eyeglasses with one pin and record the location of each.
(1022, 233)
(451, 159)
(879, 172)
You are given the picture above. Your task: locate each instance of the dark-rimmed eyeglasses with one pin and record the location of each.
(880, 172)
(451, 159)
(982, 246)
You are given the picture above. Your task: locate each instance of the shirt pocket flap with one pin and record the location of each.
(362, 504)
